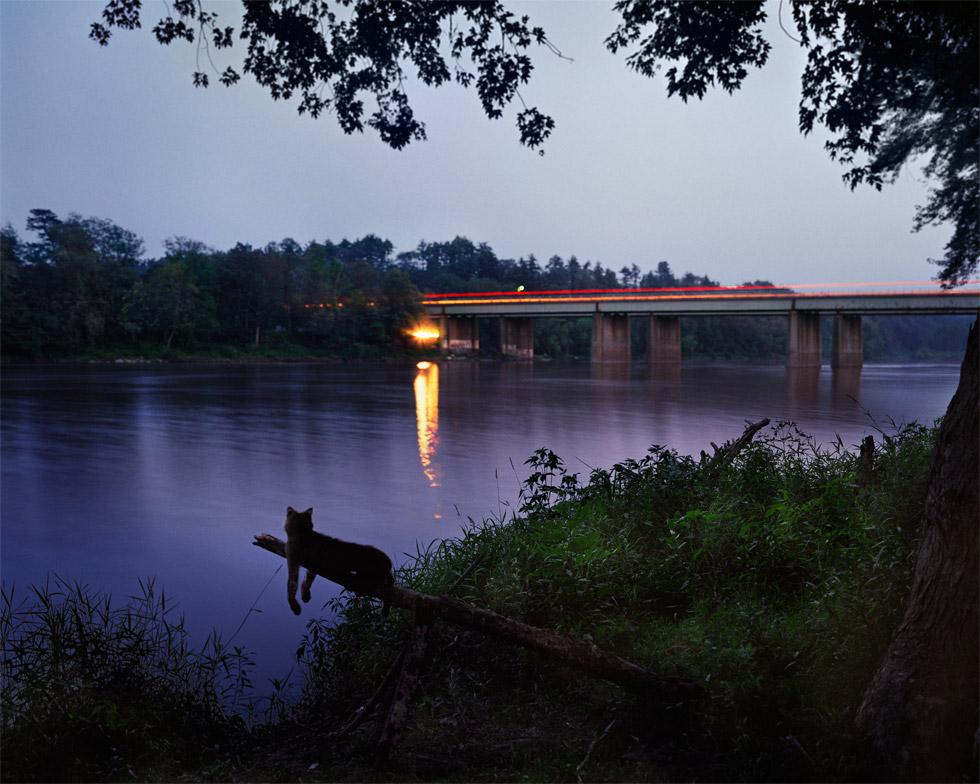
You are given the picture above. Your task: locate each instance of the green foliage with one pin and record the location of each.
(92, 691)
(563, 338)
(892, 83)
(82, 289)
(898, 338)
(774, 581)
(172, 300)
(737, 337)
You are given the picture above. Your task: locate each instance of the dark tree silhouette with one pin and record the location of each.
(920, 712)
(892, 82)
(334, 55)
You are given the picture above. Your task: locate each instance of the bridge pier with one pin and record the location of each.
(462, 335)
(804, 339)
(517, 337)
(442, 324)
(848, 342)
(664, 340)
(610, 337)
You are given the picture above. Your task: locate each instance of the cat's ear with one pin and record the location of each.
(290, 510)
(309, 511)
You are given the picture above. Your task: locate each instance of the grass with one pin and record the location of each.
(775, 583)
(95, 691)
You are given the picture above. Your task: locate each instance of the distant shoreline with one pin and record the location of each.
(952, 359)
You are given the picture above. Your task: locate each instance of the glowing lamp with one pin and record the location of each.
(424, 334)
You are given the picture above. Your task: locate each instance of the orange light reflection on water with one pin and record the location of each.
(426, 387)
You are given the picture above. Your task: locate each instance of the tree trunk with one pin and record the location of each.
(919, 714)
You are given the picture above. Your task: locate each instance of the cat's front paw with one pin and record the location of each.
(294, 606)
(306, 594)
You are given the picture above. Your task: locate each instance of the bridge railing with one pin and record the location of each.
(795, 290)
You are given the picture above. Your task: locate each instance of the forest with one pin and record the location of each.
(84, 288)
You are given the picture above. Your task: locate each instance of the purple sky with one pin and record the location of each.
(726, 186)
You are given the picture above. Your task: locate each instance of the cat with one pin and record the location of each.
(358, 567)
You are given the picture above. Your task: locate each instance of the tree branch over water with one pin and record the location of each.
(571, 652)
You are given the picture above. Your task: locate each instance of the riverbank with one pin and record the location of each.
(281, 351)
(773, 581)
(297, 353)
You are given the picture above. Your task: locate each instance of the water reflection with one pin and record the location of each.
(667, 372)
(847, 383)
(427, 418)
(610, 371)
(803, 386)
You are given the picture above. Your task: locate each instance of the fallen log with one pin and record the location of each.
(584, 656)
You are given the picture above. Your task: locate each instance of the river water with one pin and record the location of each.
(114, 473)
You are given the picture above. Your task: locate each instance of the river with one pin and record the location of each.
(111, 473)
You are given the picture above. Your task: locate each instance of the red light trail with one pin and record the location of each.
(692, 292)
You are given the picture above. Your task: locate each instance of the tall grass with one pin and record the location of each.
(775, 583)
(91, 690)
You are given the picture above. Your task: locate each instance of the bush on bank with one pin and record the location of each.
(775, 583)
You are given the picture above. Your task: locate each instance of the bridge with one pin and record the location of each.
(611, 310)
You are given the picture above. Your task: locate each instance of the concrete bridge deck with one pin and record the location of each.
(611, 311)
(540, 306)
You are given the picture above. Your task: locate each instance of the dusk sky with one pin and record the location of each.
(727, 186)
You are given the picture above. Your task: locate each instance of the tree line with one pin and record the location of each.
(85, 286)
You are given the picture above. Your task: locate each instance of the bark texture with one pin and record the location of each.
(920, 712)
(397, 718)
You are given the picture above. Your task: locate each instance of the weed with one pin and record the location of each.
(775, 582)
(92, 691)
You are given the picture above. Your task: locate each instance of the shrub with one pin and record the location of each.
(774, 581)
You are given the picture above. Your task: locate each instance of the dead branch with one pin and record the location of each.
(414, 648)
(588, 754)
(726, 453)
(411, 669)
(358, 716)
(414, 656)
(571, 652)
